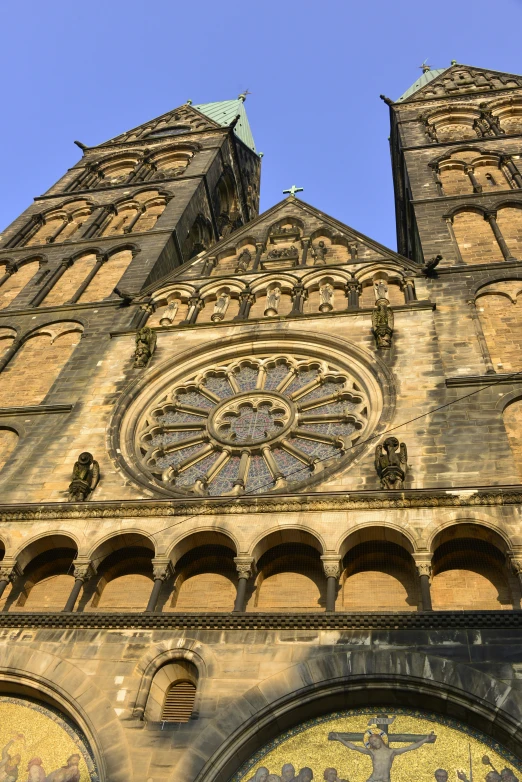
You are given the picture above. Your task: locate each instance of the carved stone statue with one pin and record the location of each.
(326, 292)
(220, 307)
(243, 261)
(381, 290)
(169, 315)
(354, 251)
(319, 254)
(145, 346)
(272, 301)
(391, 463)
(285, 252)
(85, 477)
(382, 324)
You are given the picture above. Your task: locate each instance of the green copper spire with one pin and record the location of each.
(224, 112)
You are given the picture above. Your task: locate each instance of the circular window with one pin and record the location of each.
(251, 425)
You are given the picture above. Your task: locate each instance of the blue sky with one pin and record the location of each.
(89, 71)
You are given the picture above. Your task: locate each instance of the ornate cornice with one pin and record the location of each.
(451, 497)
(406, 620)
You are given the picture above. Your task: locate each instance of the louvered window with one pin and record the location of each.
(179, 702)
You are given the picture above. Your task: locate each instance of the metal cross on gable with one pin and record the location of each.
(293, 190)
(382, 721)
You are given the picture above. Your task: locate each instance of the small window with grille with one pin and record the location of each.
(179, 702)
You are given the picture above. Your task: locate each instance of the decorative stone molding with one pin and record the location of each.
(453, 497)
(331, 566)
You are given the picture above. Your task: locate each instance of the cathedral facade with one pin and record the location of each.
(261, 475)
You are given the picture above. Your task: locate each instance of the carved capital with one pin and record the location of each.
(490, 215)
(9, 572)
(162, 570)
(331, 567)
(516, 565)
(244, 567)
(83, 571)
(423, 568)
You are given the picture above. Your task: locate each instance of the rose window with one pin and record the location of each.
(252, 426)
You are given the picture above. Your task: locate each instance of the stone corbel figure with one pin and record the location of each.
(220, 307)
(382, 324)
(391, 463)
(169, 315)
(326, 292)
(431, 263)
(319, 254)
(272, 301)
(145, 346)
(243, 261)
(85, 477)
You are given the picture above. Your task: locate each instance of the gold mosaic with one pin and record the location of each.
(381, 747)
(37, 745)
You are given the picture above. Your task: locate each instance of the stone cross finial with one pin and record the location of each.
(293, 190)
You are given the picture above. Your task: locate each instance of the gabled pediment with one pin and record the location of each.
(460, 80)
(275, 241)
(175, 123)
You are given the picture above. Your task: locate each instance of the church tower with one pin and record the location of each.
(261, 475)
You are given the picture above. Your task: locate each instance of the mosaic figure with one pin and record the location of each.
(441, 775)
(35, 770)
(381, 754)
(330, 775)
(273, 778)
(305, 775)
(261, 775)
(9, 763)
(287, 773)
(68, 773)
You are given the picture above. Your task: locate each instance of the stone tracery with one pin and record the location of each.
(252, 425)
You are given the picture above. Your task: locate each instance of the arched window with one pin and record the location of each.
(17, 281)
(136, 215)
(70, 281)
(61, 224)
(500, 309)
(107, 277)
(173, 692)
(475, 238)
(28, 377)
(198, 239)
(179, 702)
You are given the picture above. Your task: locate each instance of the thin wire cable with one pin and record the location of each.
(504, 379)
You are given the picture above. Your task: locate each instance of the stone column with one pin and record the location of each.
(51, 239)
(9, 572)
(305, 243)
(516, 566)
(100, 220)
(162, 569)
(408, 288)
(491, 218)
(423, 566)
(10, 269)
(25, 233)
(259, 250)
(513, 170)
(144, 312)
(299, 294)
(195, 305)
(477, 188)
(83, 571)
(40, 296)
(128, 228)
(449, 223)
(490, 369)
(246, 299)
(245, 569)
(332, 571)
